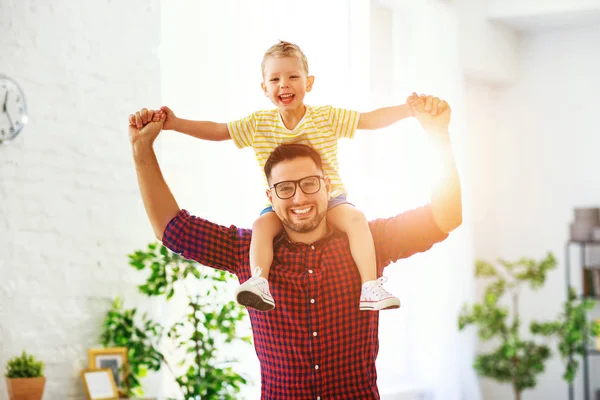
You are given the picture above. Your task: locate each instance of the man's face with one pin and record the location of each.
(302, 212)
(285, 82)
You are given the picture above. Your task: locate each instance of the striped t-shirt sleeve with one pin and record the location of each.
(242, 131)
(344, 122)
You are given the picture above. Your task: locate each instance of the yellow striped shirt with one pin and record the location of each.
(320, 128)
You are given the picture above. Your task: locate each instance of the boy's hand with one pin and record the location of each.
(168, 116)
(433, 114)
(142, 128)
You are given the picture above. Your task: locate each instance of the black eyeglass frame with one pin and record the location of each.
(296, 185)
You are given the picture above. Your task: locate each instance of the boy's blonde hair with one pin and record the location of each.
(284, 49)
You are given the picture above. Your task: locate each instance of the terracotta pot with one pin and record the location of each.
(25, 388)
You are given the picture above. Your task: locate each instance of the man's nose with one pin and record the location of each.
(299, 197)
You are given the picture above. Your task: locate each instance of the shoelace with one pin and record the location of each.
(377, 286)
(256, 272)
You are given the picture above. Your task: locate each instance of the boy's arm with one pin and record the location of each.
(383, 117)
(206, 130)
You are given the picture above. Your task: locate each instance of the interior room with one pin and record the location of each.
(90, 301)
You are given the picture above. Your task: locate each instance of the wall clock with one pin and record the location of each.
(13, 110)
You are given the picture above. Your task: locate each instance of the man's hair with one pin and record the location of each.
(284, 49)
(286, 152)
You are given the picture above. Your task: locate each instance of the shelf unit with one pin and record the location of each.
(583, 246)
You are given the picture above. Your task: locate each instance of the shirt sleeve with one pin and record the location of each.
(343, 122)
(242, 131)
(411, 232)
(207, 243)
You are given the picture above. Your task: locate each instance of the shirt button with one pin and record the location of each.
(314, 333)
(310, 271)
(318, 397)
(312, 301)
(312, 247)
(316, 367)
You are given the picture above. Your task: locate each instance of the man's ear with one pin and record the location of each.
(309, 83)
(269, 195)
(327, 181)
(264, 88)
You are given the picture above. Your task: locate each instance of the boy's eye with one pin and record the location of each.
(294, 76)
(274, 79)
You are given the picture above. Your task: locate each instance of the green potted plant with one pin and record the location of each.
(25, 377)
(198, 334)
(516, 360)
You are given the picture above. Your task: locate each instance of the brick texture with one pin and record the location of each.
(70, 210)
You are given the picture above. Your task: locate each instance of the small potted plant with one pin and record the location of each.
(25, 378)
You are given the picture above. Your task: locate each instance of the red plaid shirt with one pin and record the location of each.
(316, 343)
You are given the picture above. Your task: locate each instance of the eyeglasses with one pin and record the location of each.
(287, 189)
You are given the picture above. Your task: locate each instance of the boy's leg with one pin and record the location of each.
(350, 220)
(255, 293)
(264, 230)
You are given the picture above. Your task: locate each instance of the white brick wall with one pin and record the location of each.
(69, 205)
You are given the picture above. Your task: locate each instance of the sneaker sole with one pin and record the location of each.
(379, 306)
(251, 300)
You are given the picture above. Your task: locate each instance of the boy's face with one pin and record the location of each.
(285, 82)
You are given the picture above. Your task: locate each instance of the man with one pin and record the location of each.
(316, 344)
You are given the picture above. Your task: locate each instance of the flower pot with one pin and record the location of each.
(25, 388)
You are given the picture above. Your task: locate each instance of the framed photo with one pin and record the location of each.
(113, 358)
(99, 384)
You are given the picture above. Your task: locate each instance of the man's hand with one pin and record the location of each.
(433, 114)
(142, 129)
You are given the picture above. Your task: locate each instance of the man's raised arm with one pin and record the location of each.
(158, 200)
(446, 202)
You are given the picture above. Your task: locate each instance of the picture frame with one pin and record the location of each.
(113, 358)
(99, 384)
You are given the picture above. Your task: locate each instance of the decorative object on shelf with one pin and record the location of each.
(113, 358)
(596, 234)
(25, 377)
(99, 384)
(197, 336)
(591, 282)
(516, 360)
(13, 110)
(586, 221)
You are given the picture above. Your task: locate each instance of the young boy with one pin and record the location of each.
(285, 82)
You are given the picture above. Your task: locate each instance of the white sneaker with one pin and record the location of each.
(374, 297)
(254, 293)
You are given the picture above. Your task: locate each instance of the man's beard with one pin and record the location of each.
(304, 226)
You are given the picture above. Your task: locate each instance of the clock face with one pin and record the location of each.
(13, 111)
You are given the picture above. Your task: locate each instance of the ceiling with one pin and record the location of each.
(536, 15)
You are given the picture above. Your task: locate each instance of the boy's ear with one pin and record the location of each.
(264, 88)
(309, 83)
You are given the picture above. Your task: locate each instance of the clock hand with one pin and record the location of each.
(9, 120)
(5, 101)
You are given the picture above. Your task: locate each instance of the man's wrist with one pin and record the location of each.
(143, 151)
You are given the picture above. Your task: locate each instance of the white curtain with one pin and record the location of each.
(363, 55)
